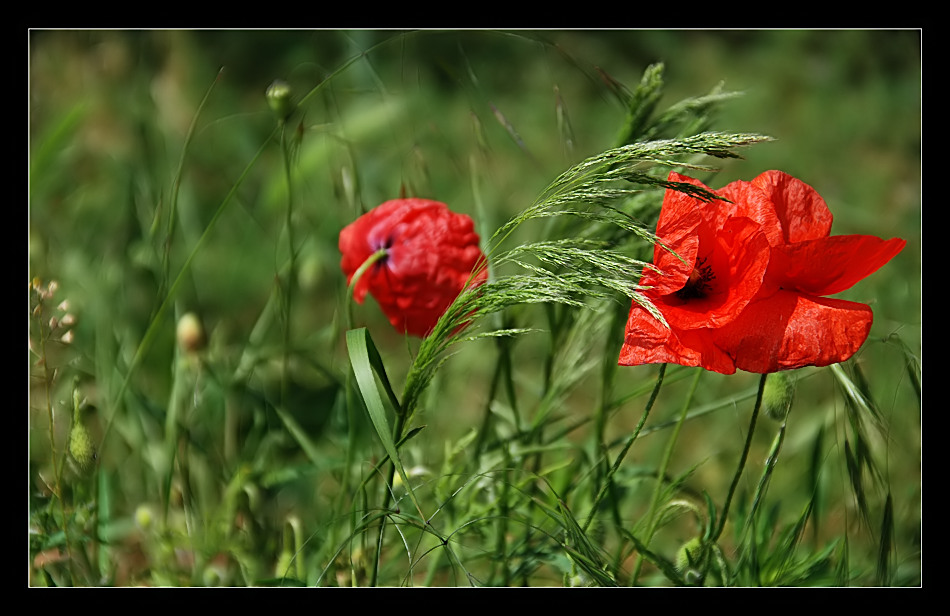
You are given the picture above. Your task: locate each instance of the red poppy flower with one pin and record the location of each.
(425, 255)
(750, 294)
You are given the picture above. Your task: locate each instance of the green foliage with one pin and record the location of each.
(294, 439)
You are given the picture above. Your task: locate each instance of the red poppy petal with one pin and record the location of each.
(355, 251)
(749, 201)
(790, 330)
(647, 341)
(677, 227)
(801, 210)
(832, 264)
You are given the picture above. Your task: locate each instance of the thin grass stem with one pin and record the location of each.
(742, 460)
(661, 473)
(763, 485)
(623, 453)
(287, 304)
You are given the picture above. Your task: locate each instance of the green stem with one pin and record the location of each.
(770, 463)
(633, 436)
(763, 485)
(661, 474)
(57, 469)
(292, 265)
(154, 327)
(742, 461)
(368, 263)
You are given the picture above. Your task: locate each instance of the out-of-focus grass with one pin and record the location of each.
(445, 115)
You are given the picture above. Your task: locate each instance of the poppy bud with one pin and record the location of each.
(80, 446)
(688, 556)
(280, 98)
(778, 395)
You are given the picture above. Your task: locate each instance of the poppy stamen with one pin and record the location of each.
(698, 285)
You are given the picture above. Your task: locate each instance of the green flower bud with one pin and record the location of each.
(689, 554)
(80, 446)
(778, 395)
(280, 98)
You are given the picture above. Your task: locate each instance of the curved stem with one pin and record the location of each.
(368, 263)
(742, 461)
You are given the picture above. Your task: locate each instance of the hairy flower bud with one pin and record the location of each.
(80, 446)
(778, 395)
(689, 554)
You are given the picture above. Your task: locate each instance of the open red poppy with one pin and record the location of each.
(749, 290)
(424, 255)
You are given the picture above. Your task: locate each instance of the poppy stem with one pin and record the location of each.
(742, 461)
(763, 484)
(368, 263)
(291, 274)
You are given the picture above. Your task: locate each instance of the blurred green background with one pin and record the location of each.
(441, 114)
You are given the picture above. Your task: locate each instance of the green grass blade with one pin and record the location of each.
(366, 362)
(843, 569)
(155, 324)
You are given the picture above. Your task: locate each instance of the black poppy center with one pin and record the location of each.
(699, 283)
